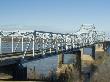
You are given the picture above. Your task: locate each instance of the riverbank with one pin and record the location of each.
(101, 68)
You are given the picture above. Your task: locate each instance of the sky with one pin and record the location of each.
(54, 15)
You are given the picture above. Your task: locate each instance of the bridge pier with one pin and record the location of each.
(93, 51)
(22, 44)
(63, 69)
(78, 61)
(60, 58)
(106, 45)
(82, 51)
(100, 47)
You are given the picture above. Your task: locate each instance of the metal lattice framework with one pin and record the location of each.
(22, 41)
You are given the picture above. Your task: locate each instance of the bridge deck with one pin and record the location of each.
(10, 58)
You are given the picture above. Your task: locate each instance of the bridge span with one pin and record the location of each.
(16, 46)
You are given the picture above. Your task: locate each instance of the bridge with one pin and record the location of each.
(29, 45)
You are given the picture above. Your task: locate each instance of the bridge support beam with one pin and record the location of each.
(106, 45)
(82, 51)
(0, 45)
(22, 44)
(60, 59)
(78, 62)
(12, 45)
(33, 46)
(93, 52)
(99, 47)
(50, 50)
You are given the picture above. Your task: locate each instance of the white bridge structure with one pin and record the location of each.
(22, 44)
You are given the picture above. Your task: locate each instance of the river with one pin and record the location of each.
(43, 66)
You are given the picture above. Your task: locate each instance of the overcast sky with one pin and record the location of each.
(55, 15)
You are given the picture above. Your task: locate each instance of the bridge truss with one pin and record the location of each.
(43, 42)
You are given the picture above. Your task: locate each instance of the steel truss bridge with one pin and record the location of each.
(23, 44)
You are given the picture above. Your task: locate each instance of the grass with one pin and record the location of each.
(102, 72)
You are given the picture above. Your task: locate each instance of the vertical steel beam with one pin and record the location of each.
(22, 44)
(0, 45)
(43, 45)
(50, 42)
(33, 46)
(71, 42)
(1, 48)
(61, 42)
(12, 46)
(57, 48)
(37, 41)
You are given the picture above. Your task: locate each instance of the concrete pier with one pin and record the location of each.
(99, 47)
(68, 71)
(88, 58)
(93, 51)
(60, 58)
(78, 62)
(82, 51)
(106, 45)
